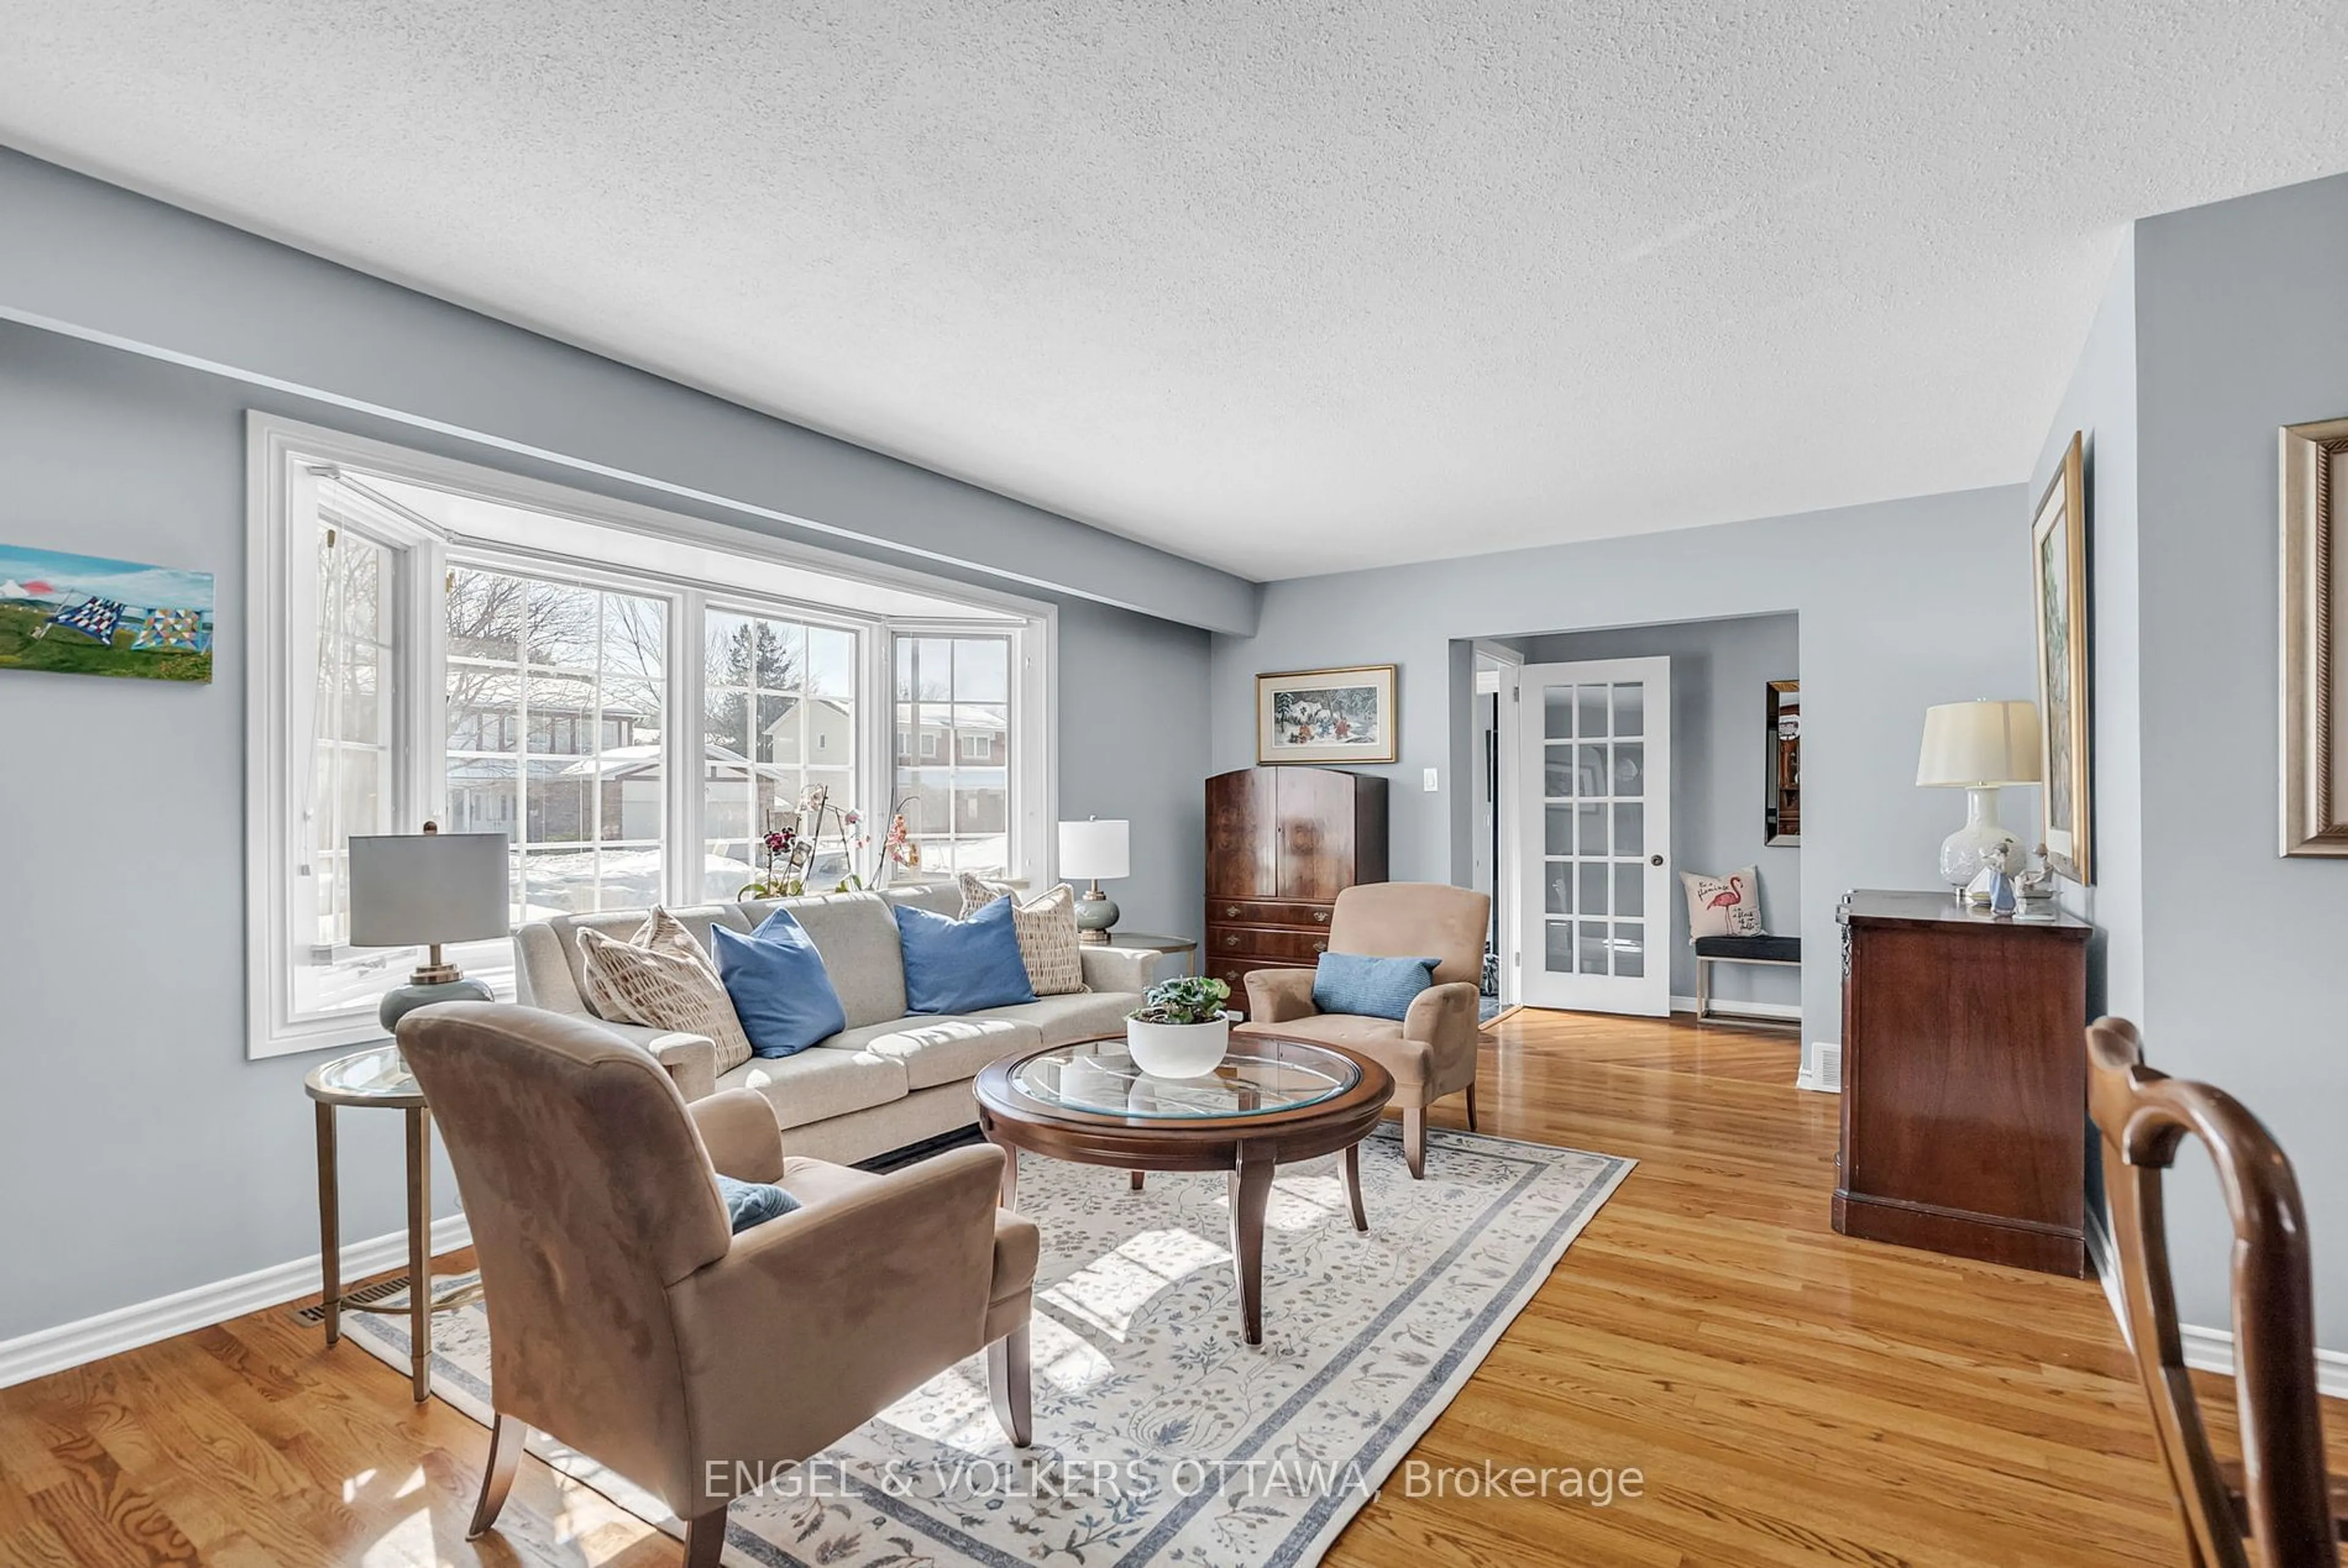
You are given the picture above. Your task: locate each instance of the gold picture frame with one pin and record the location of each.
(2315, 620)
(2058, 576)
(1326, 717)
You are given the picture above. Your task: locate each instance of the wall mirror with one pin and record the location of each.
(1782, 791)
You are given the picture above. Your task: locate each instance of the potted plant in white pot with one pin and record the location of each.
(1179, 1030)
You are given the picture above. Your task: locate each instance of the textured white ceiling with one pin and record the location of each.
(1286, 286)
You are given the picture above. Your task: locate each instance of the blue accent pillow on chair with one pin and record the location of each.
(1366, 987)
(782, 995)
(960, 966)
(751, 1203)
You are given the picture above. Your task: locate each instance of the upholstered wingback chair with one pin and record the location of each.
(626, 1321)
(1432, 1052)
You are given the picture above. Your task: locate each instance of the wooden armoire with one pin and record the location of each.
(1282, 844)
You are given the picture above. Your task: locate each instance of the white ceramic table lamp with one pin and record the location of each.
(1979, 747)
(420, 890)
(1089, 851)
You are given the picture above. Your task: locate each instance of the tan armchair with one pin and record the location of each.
(627, 1322)
(1432, 1052)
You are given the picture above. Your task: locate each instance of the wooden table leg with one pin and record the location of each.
(1250, 1186)
(1010, 1197)
(330, 1224)
(1354, 1185)
(420, 1250)
(1140, 1179)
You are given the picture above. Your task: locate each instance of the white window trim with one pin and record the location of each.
(1033, 770)
(281, 452)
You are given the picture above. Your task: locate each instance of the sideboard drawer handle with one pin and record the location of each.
(1231, 940)
(1320, 917)
(1230, 911)
(1319, 948)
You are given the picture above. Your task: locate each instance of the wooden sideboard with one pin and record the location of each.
(1964, 1097)
(1282, 844)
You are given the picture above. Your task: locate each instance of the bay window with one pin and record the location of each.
(779, 706)
(632, 698)
(553, 698)
(952, 774)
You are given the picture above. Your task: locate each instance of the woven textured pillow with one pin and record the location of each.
(661, 932)
(1047, 932)
(1726, 905)
(651, 981)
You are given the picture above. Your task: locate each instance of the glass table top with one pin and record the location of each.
(377, 1076)
(1099, 1076)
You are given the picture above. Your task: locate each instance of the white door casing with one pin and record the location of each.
(1595, 811)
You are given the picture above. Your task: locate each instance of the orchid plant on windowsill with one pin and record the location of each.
(793, 844)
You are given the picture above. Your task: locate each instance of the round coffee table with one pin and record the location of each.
(1270, 1102)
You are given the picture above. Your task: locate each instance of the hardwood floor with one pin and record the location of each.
(1788, 1395)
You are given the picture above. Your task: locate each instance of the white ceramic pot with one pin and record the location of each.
(1176, 1049)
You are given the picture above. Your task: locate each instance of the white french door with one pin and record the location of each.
(1594, 813)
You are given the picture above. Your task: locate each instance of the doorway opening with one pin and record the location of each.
(1632, 788)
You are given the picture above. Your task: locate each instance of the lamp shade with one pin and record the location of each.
(1968, 745)
(1095, 849)
(411, 891)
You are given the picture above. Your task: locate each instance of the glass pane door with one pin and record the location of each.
(1590, 732)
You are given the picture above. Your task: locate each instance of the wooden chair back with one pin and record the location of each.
(2143, 1116)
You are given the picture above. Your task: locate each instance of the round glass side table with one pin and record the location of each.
(378, 1078)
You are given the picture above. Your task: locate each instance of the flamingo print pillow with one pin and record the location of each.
(1726, 905)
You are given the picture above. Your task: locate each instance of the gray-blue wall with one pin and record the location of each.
(1720, 674)
(1902, 604)
(2221, 323)
(2242, 327)
(2100, 404)
(123, 1006)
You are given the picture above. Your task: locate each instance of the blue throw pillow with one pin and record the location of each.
(749, 1204)
(962, 965)
(781, 993)
(1370, 987)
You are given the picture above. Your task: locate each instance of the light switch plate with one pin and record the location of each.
(1432, 787)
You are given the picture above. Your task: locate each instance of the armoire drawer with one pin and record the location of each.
(1272, 944)
(1268, 912)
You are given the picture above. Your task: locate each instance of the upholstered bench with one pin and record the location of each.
(1782, 951)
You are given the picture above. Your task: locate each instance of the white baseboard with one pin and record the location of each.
(48, 1351)
(1821, 1071)
(1729, 1010)
(2206, 1350)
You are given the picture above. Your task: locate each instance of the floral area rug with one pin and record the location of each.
(1161, 1436)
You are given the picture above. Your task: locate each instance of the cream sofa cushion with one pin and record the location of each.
(935, 1050)
(857, 937)
(816, 1085)
(1088, 1015)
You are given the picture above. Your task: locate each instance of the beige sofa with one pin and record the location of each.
(888, 1078)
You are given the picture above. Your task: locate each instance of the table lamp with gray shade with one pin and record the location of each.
(1090, 850)
(1979, 747)
(421, 890)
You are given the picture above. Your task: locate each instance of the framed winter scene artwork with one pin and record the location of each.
(90, 615)
(2315, 639)
(1326, 715)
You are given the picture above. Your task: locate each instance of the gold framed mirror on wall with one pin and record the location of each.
(1782, 789)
